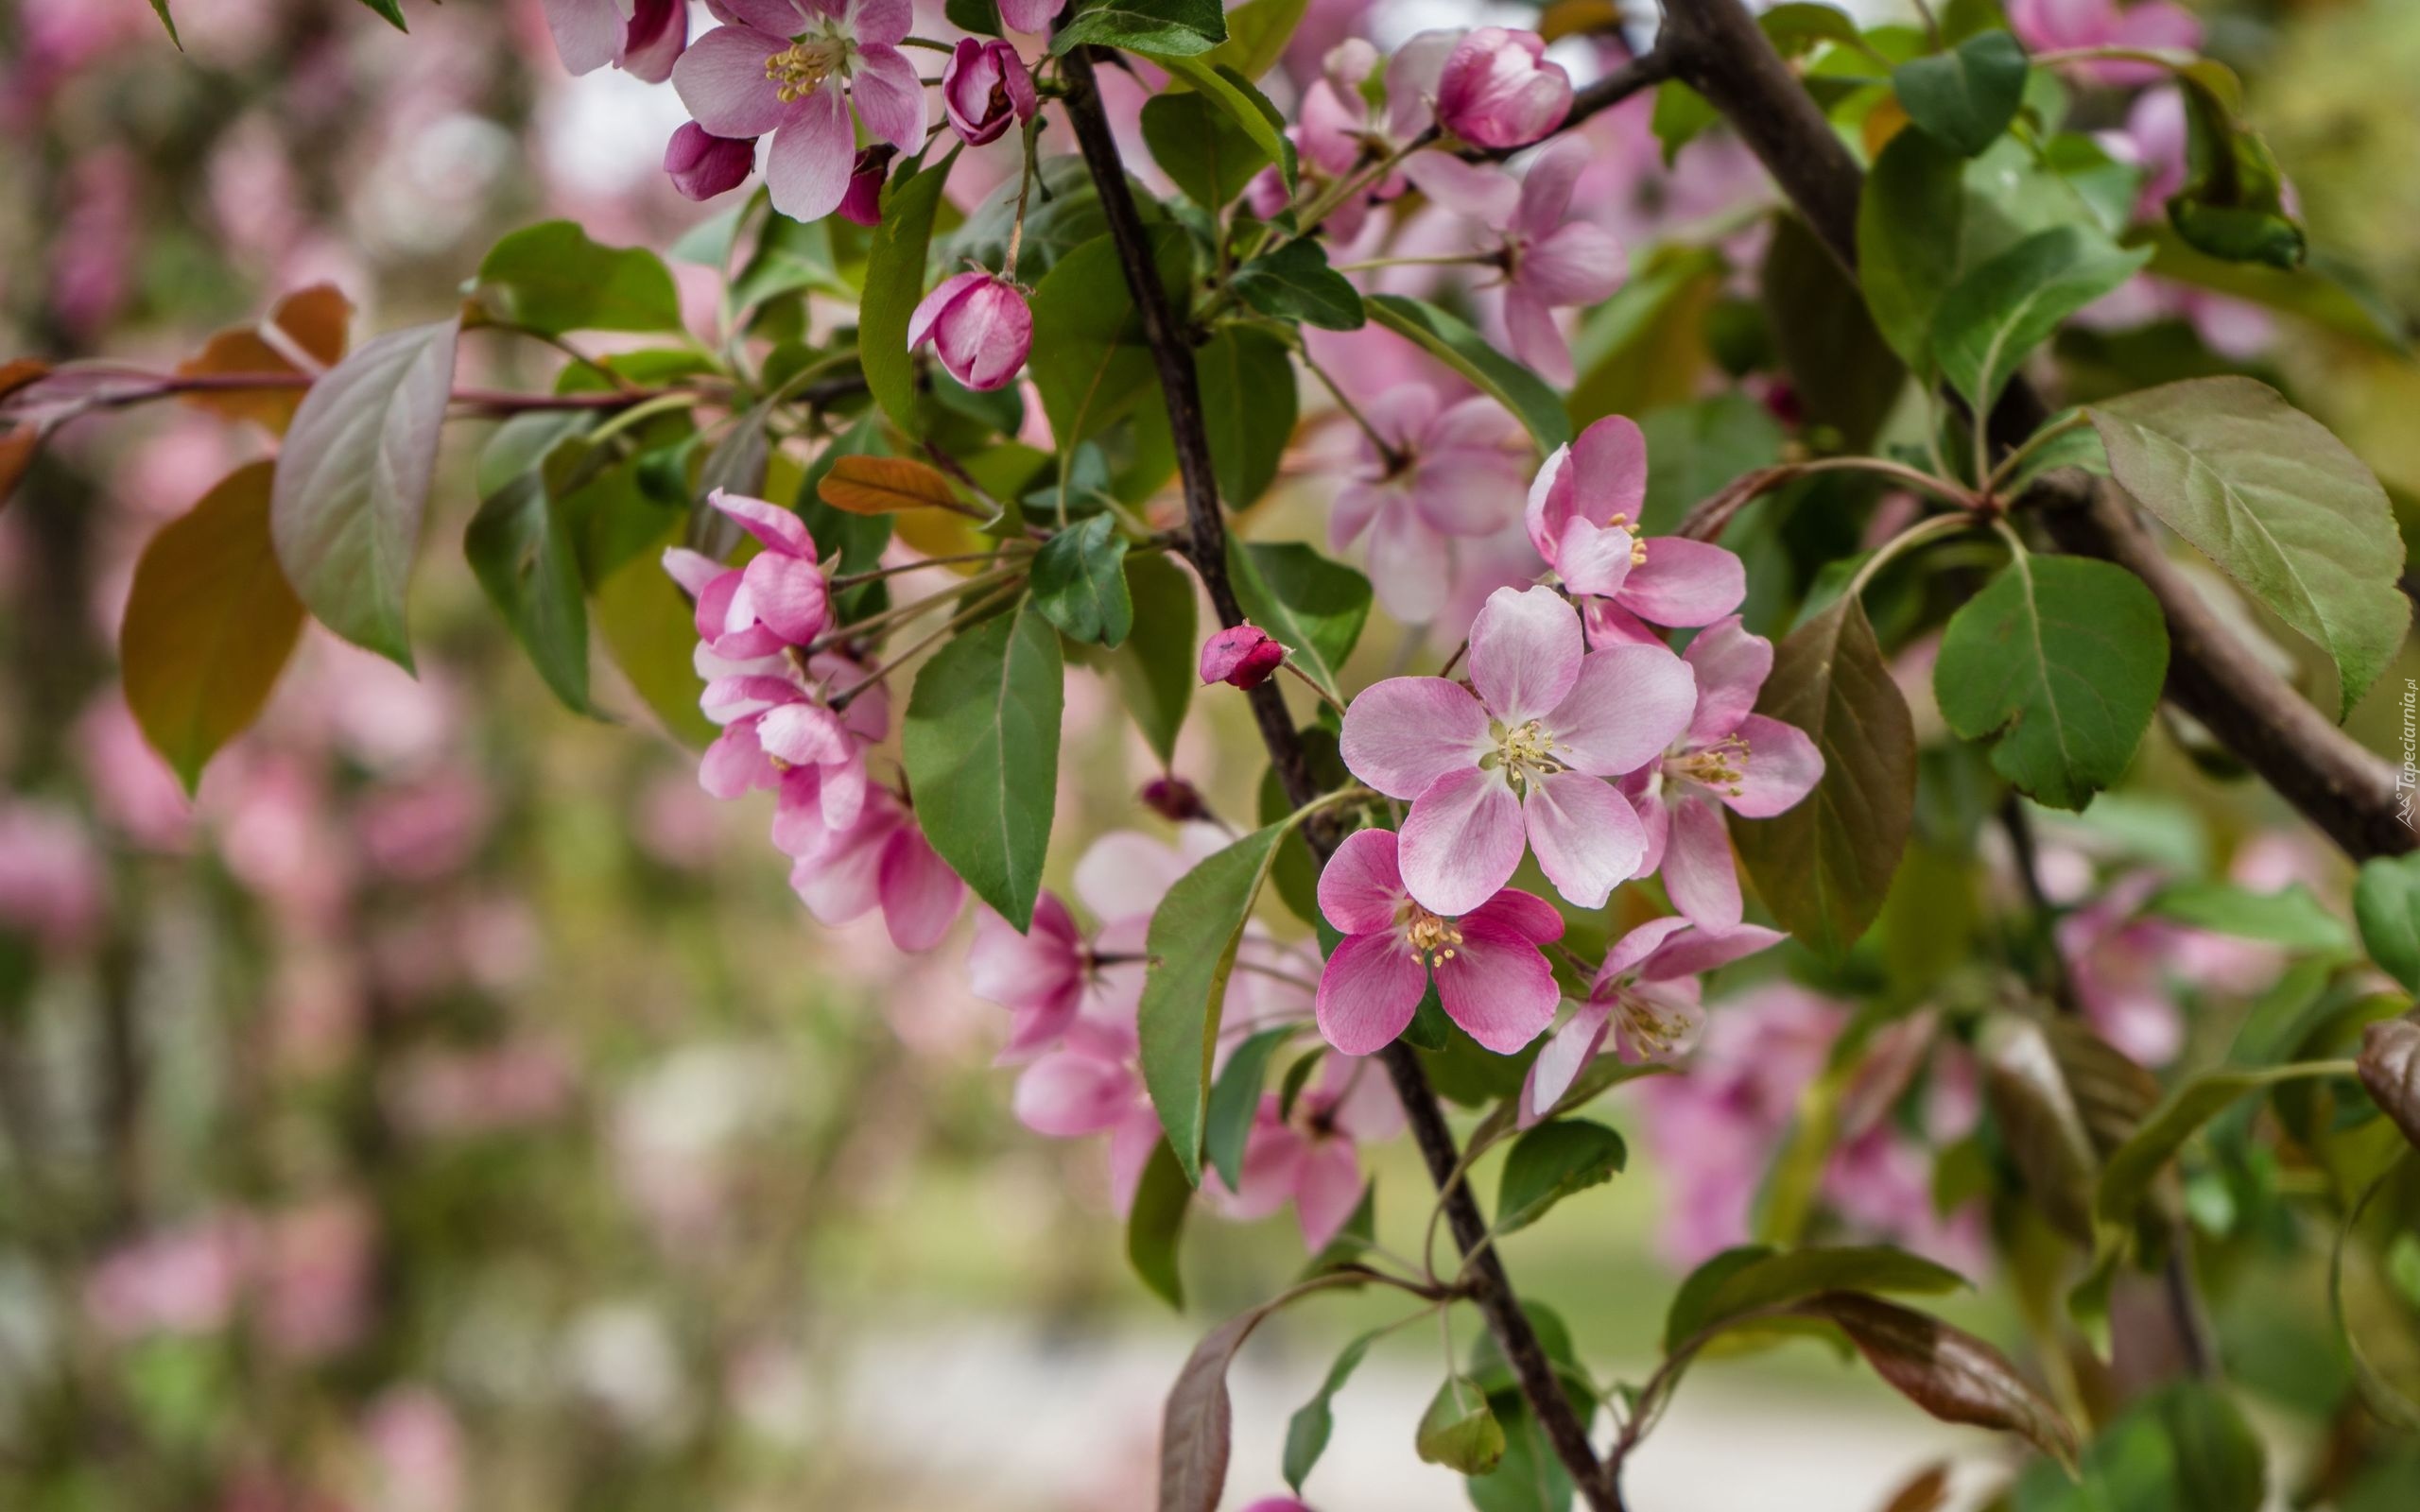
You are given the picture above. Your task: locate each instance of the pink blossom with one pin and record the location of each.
(703, 164)
(185, 1280)
(783, 67)
(643, 37)
(1446, 473)
(863, 202)
(1490, 978)
(781, 736)
(984, 87)
(1313, 1159)
(1648, 995)
(1582, 517)
(1525, 748)
(1499, 91)
(1753, 765)
(1041, 975)
(980, 325)
(52, 888)
(1550, 260)
(2129, 967)
(1241, 656)
(880, 859)
(1078, 1091)
(415, 1444)
(1029, 16)
(2058, 26)
(779, 599)
(1339, 131)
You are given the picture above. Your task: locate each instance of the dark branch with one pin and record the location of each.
(1643, 72)
(1206, 548)
(1717, 47)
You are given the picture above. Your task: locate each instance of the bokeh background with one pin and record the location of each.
(453, 1109)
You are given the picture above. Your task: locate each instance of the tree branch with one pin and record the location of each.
(1206, 548)
(1717, 47)
(1645, 70)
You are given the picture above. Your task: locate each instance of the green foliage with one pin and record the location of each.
(1234, 1098)
(1469, 353)
(1080, 582)
(1949, 1373)
(1967, 96)
(1156, 667)
(1992, 318)
(353, 480)
(895, 285)
(1459, 1429)
(1843, 372)
(980, 17)
(2386, 905)
(521, 552)
(2186, 1445)
(980, 745)
(1248, 410)
(2233, 205)
(2061, 657)
(392, 9)
(1089, 361)
(1203, 148)
(1295, 283)
(2127, 1175)
(2293, 916)
(1313, 606)
(1192, 943)
(1909, 228)
(553, 279)
(1257, 32)
(2277, 502)
(1243, 105)
(1825, 867)
(1307, 1431)
(1757, 1280)
(160, 9)
(1156, 1223)
(1165, 29)
(1549, 1164)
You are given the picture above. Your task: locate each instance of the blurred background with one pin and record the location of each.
(452, 1108)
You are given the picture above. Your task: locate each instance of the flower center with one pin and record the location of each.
(1430, 938)
(801, 69)
(1525, 752)
(1722, 765)
(1656, 1031)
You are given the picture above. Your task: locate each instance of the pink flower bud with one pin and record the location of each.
(983, 88)
(704, 166)
(863, 201)
(1031, 17)
(1243, 656)
(978, 325)
(1175, 800)
(1497, 90)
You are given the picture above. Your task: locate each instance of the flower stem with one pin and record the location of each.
(965, 617)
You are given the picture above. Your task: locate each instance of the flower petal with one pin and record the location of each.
(807, 169)
(1526, 650)
(1703, 949)
(1125, 873)
(1403, 734)
(1408, 563)
(1609, 471)
(1525, 913)
(1587, 838)
(1485, 194)
(880, 23)
(1361, 888)
(1593, 560)
(1498, 987)
(790, 595)
(1698, 871)
(920, 895)
(890, 97)
(1562, 1061)
(1066, 1094)
(722, 81)
(1529, 320)
(1327, 1187)
(1783, 767)
(1627, 704)
(1636, 946)
(1685, 582)
(1731, 667)
(1368, 991)
(1462, 841)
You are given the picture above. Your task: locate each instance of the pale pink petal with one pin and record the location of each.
(1273, 1155)
(1462, 841)
(1537, 341)
(1327, 1188)
(1545, 189)
(1635, 947)
(880, 23)
(1360, 887)
(1355, 505)
(1783, 767)
(807, 169)
(1550, 504)
(1485, 194)
(1655, 820)
(1526, 651)
(803, 734)
(747, 693)
(1609, 471)
(1658, 1022)
(890, 99)
(1731, 667)
(841, 788)
(1368, 991)
(694, 571)
(588, 33)
(1467, 491)
(1413, 73)
(1627, 705)
(721, 81)
(1593, 560)
(1587, 838)
(1578, 264)
(1703, 949)
(1136, 1138)
(932, 306)
(1403, 734)
(789, 594)
(1366, 1104)
(1037, 967)
(1407, 564)
(1124, 874)
(1525, 913)
(735, 763)
(1066, 1094)
(843, 881)
(1478, 423)
(780, 529)
(1402, 414)
(787, 18)
(1610, 625)
(1685, 582)
(1562, 1061)
(1698, 871)
(920, 896)
(1498, 988)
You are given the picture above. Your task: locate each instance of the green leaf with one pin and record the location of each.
(390, 10)
(651, 631)
(553, 279)
(1295, 283)
(2390, 1071)
(1845, 373)
(1248, 410)
(1997, 314)
(1080, 581)
(1307, 1431)
(1155, 1224)
(2061, 1096)
(2293, 916)
(980, 17)
(1165, 29)
(1795, 28)
(2386, 904)
(353, 480)
(2061, 657)
(1968, 95)
(1202, 148)
(209, 622)
(1825, 867)
(1191, 949)
(1698, 448)
(1948, 1372)
(1157, 667)
(1234, 1098)
(790, 256)
(2126, 1176)
(1654, 342)
(1460, 1431)
(1089, 359)
(1549, 1164)
(1755, 1279)
(1682, 114)
(2325, 291)
(1313, 606)
(2184, 1446)
(1257, 32)
(1910, 226)
(160, 9)
(1469, 353)
(981, 749)
(1243, 104)
(2265, 491)
(2233, 204)
(523, 556)
(895, 285)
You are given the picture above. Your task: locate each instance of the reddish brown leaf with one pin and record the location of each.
(302, 337)
(1948, 1372)
(2390, 1067)
(1197, 1427)
(17, 448)
(19, 371)
(885, 485)
(1926, 1491)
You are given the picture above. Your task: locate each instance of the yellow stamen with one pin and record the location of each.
(1431, 940)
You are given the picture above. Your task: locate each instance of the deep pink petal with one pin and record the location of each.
(1327, 1187)
(1525, 913)
(721, 81)
(790, 596)
(807, 169)
(920, 896)
(1361, 888)
(1562, 1061)
(1498, 987)
(1368, 991)
(1635, 947)
(1685, 582)
(1587, 838)
(1627, 705)
(1703, 949)
(1783, 767)
(1610, 625)
(1698, 871)
(1526, 650)
(890, 99)
(1731, 667)
(780, 529)
(933, 306)
(1462, 842)
(844, 879)
(1403, 734)
(1609, 472)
